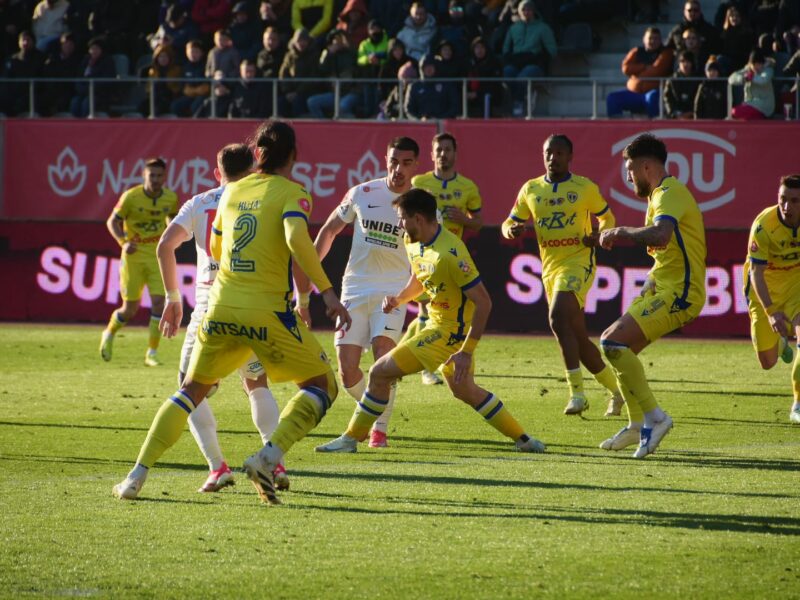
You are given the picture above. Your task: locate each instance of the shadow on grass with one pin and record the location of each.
(84, 460)
(545, 515)
(544, 485)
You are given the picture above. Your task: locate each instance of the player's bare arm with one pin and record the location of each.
(656, 235)
(332, 227)
(115, 226)
(467, 219)
(777, 319)
(171, 318)
(462, 359)
(412, 290)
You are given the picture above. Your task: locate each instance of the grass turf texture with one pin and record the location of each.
(449, 510)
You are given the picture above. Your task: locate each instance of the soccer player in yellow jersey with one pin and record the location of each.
(260, 227)
(673, 294)
(137, 222)
(459, 309)
(772, 273)
(561, 205)
(459, 204)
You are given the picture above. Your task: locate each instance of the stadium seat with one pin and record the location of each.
(122, 65)
(576, 39)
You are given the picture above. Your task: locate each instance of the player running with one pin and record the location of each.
(459, 309)
(136, 223)
(459, 203)
(562, 205)
(377, 266)
(194, 220)
(260, 227)
(673, 294)
(772, 275)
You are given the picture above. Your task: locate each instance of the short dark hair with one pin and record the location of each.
(277, 142)
(757, 56)
(235, 159)
(155, 162)
(195, 43)
(791, 181)
(404, 143)
(646, 145)
(686, 55)
(653, 30)
(445, 135)
(560, 137)
(417, 201)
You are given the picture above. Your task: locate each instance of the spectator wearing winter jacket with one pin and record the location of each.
(418, 31)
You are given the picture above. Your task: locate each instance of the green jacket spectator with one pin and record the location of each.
(314, 15)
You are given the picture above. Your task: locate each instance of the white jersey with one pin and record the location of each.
(196, 217)
(378, 263)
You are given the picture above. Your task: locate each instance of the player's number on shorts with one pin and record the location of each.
(245, 232)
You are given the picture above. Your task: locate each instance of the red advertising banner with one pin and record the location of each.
(76, 170)
(731, 167)
(65, 272)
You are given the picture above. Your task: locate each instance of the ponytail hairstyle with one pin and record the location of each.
(277, 143)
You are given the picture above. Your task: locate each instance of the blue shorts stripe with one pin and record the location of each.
(494, 411)
(367, 409)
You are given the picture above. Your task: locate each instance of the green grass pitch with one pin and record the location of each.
(448, 511)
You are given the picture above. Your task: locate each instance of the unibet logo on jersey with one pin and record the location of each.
(381, 233)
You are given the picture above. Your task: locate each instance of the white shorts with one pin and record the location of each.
(252, 369)
(369, 321)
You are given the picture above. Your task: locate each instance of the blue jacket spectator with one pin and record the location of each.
(431, 99)
(96, 65)
(176, 30)
(245, 32)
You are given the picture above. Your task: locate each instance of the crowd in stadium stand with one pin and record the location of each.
(236, 51)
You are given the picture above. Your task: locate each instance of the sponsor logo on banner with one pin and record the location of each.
(368, 168)
(68, 176)
(699, 164)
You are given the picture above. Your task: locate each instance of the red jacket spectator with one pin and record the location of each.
(353, 21)
(642, 62)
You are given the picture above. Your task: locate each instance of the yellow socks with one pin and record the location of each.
(575, 381)
(607, 380)
(115, 323)
(633, 384)
(166, 428)
(300, 416)
(496, 415)
(367, 411)
(155, 335)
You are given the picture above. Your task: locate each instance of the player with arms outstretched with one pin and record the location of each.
(459, 203)
(459, 309)
(772, 275)
(673, 294)
(194, 220)
(260, 227)
(561, 205)
(377, 266)
(136, 223)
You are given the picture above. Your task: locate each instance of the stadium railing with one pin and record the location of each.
(130, 91)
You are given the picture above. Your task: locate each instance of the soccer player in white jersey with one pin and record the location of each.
(378, 265)
(194, 219)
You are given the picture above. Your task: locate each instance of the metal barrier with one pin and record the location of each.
(532, 91)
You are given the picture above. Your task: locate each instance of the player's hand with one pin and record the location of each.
(516, 230)
(779, 323)
(456, 215)
(608, 237)
(305, 315)
(461, 362)
(336, 311)
(171, 319)
(591, 240)
(129, 247)
(389, 304)
(649, 287)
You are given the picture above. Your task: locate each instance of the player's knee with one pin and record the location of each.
(378, 373)
(767, 362)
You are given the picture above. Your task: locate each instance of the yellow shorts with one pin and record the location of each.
(569, 278)
(287, 350)
(657, 315)
(761, 332)
(135, 272)
(429, 349)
